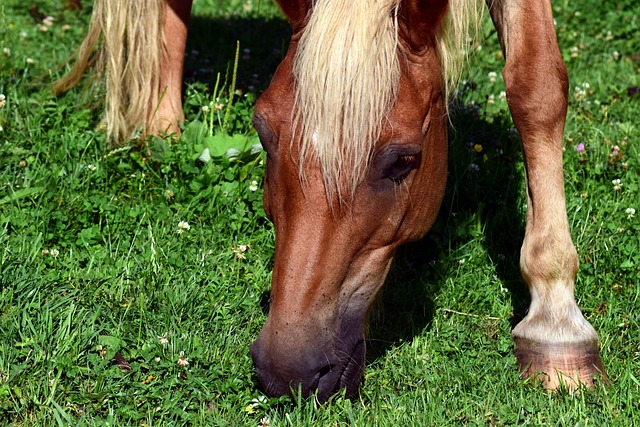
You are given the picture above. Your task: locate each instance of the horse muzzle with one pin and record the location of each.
(286, 367)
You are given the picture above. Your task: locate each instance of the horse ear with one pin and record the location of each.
(296, 12)
(418, 21)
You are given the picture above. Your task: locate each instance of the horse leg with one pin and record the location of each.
(554, 340)
(164, 118)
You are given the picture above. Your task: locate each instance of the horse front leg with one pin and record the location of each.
(165, 116)
(554, 341)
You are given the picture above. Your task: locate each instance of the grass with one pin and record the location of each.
(92, 262)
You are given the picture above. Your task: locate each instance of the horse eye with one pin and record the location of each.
(394, 163)
(264, 132)
(401, 168)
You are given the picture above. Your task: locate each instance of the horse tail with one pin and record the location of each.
(123, 47)
(456, 38)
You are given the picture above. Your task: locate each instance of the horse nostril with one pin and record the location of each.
(324, 371)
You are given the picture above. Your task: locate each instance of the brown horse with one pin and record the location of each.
(354, 124)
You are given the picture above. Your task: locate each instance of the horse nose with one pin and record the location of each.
(285, 372)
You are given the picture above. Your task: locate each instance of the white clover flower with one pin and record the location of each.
(91, 167)
(6, 51)
(492, 76)
(502, 96)
(617, 184)
(205, 108)
(579, 92)
(48, 21)
(574, 51)
(473, 167)
(240, 250)
(23, 34)
(183, 360)
(253, 186)
(163, 339)
(183, 226)
(630, 212)
(491, 99)
(616, 55)
(54, 253)
(3, 100)
(29, 60)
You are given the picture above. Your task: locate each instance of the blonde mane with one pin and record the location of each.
(347, 72)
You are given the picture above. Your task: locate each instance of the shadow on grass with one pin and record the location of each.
(486, 199)
(211, 48)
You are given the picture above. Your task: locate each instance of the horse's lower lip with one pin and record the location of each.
(352, 372)
(348, 377)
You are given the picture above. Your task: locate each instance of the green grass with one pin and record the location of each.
(92, 263)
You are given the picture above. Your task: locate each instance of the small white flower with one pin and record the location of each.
(264, 422)
(240, 250)
(163, 339)
(3, 100)
(54, 253)
(574, 51)
(617, 184)
(502, 96)
(23, 34)
(91, 167)
(205, 108)
(474, 167)
(630, 212)
(183, 360)
(491, 99)
(492, 76)
(616, 55)
(253, 186)
(183, 226)
(6, 51)
(48, 21)
(66, 27)
(29, 61)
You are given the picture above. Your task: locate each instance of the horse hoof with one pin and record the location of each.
(560, 365)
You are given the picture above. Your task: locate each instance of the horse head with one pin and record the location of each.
(355, 168)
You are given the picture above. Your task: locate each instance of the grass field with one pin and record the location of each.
(150, 254)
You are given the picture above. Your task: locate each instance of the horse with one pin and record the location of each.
(354, 125)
